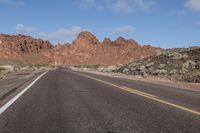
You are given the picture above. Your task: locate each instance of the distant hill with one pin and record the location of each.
(85, 49)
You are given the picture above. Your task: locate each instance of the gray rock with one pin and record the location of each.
(185, 56)
(149, 65)
(111, 68)
(133, 65)
(161, 66)
(126, 70)
(133, 68)
(189, 64)
(160, 72)
(149, 59)
(7, 67)
(143, 73)
(175, 55)
(174, 71)
(100, 68)
(142, 68)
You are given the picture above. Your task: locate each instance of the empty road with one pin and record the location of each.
(64, 101)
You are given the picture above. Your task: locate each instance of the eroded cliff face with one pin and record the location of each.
(24, 49)
(85, 49)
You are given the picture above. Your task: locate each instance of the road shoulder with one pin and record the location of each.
(158, 81)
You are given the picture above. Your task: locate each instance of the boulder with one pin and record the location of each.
(111, 68)
(133, 64)
(174, 71)
(175, 55)
(187, 66)
(101, 68)
(126, 70)
(7, 67)
(149, 65)
(142, 68)
(161, 66)
(160, 72)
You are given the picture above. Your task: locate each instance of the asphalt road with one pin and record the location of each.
(64, 101)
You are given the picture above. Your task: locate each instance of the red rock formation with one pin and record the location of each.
(86, 38)
(86, 49)
(107, 41)
(24, 49)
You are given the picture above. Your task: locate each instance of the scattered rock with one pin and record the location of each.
(175, 55)
(133, 69)
(101, 69)
(7, 67)
(188, 65)
(177, 65)
(161, 66)
(142, 68)
(111, 69)
(160, 72)
(133, 64)
(126, 70)
(193, 78)
(149, 65)
(172, 72)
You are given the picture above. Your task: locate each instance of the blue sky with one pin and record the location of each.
(164, 23)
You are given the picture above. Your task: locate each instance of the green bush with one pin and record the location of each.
(2, 69)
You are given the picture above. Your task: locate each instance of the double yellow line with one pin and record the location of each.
(146, 95)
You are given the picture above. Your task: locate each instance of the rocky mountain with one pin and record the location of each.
(23, 49)
(85, 49)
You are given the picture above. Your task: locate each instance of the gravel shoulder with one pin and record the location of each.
(13, 82)
(149, 79)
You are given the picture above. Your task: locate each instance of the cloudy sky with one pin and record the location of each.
(164, 23)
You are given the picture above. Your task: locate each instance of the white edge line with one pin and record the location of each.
(9, 103)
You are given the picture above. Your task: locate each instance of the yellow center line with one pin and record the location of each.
(138, 92)
(146, 95)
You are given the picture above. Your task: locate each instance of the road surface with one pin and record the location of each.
(64, 101)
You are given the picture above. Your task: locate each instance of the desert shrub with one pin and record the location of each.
(2, 69)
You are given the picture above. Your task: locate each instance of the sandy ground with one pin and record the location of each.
(155, 80)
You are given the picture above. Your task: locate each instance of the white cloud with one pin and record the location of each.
(121, 6)
(118, 6)
(144, 4)
(123, 29)
(129, 6)
(85, 3)
(61, 33)
(20, 28)
(13, 3)
(193, 5)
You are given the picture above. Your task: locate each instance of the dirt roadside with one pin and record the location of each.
(15, 81)
(149, 79)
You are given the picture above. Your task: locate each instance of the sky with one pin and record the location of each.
(162, 23)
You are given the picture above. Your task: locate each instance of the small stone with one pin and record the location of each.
(160, 72)
(174, 71)
(133, 68)
(161, 66)
(142, 68)
(126, 70)
(150, 65)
